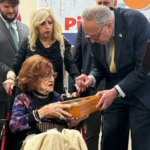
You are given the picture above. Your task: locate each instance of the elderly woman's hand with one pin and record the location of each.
(55, 109)
(75, 121)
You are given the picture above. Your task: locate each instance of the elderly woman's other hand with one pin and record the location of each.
(55, 109)
(75, 121)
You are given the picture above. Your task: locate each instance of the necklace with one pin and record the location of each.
(40, 96)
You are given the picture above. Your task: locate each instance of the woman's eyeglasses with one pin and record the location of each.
(54, 75)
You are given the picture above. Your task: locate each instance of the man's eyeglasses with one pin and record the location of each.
(95, 37)
(54, 75)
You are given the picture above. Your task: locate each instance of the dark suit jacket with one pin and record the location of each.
(81, 55)
(131, 33)
(8, 50)
(82, 49)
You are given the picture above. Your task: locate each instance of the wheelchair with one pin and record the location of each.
(6, 136)
(8, 139)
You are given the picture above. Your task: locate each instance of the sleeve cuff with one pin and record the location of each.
(31, 119)
(94, 81)
(121, 93)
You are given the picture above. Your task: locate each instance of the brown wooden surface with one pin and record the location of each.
(82, 109)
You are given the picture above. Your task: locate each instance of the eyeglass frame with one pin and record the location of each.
(90, 37)
(54, 75)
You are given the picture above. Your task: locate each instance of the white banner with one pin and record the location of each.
(68, 12)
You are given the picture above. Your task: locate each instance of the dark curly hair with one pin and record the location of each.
(13, 2)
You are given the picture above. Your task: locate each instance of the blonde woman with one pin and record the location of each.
(44, 39)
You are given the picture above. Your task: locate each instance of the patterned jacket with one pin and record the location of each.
(23, 106)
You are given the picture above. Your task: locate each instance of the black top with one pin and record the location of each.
(52, 97)
(41, 102)
(53, 54)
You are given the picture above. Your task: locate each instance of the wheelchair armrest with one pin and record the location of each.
(4, 121)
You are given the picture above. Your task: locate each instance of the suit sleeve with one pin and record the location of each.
(20, 57)
(77, 53)
(97, 71)
(137, 77)
(77, 57)
(3, 71)
(70, 66)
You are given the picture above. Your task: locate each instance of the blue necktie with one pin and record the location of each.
(13, 34)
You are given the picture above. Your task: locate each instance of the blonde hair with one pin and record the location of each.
(38, 17)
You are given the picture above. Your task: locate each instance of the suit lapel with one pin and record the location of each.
(100, 52)
(119, 35)
(7, 33)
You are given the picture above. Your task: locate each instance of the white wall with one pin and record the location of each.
(26, 7)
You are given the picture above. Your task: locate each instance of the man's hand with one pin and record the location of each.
(83, 82)
(73, 94)
(107, 98)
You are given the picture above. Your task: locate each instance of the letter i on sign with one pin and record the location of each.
(78, 22)
(70, 22)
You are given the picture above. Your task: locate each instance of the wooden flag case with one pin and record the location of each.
(81, 106)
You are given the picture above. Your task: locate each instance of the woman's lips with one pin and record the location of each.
(47, 32)
(50, 84)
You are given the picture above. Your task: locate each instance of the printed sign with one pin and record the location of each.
(68, 12)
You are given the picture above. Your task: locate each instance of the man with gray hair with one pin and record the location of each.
(118, 39)
(83, 60)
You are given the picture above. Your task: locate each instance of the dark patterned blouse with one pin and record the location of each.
(22, 118)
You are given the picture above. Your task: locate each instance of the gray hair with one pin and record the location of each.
(101, 14)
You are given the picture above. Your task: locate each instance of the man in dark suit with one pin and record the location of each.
(83, 60)
(8, 45)
(118, 40)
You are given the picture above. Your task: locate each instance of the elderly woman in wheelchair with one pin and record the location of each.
(37, 100)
